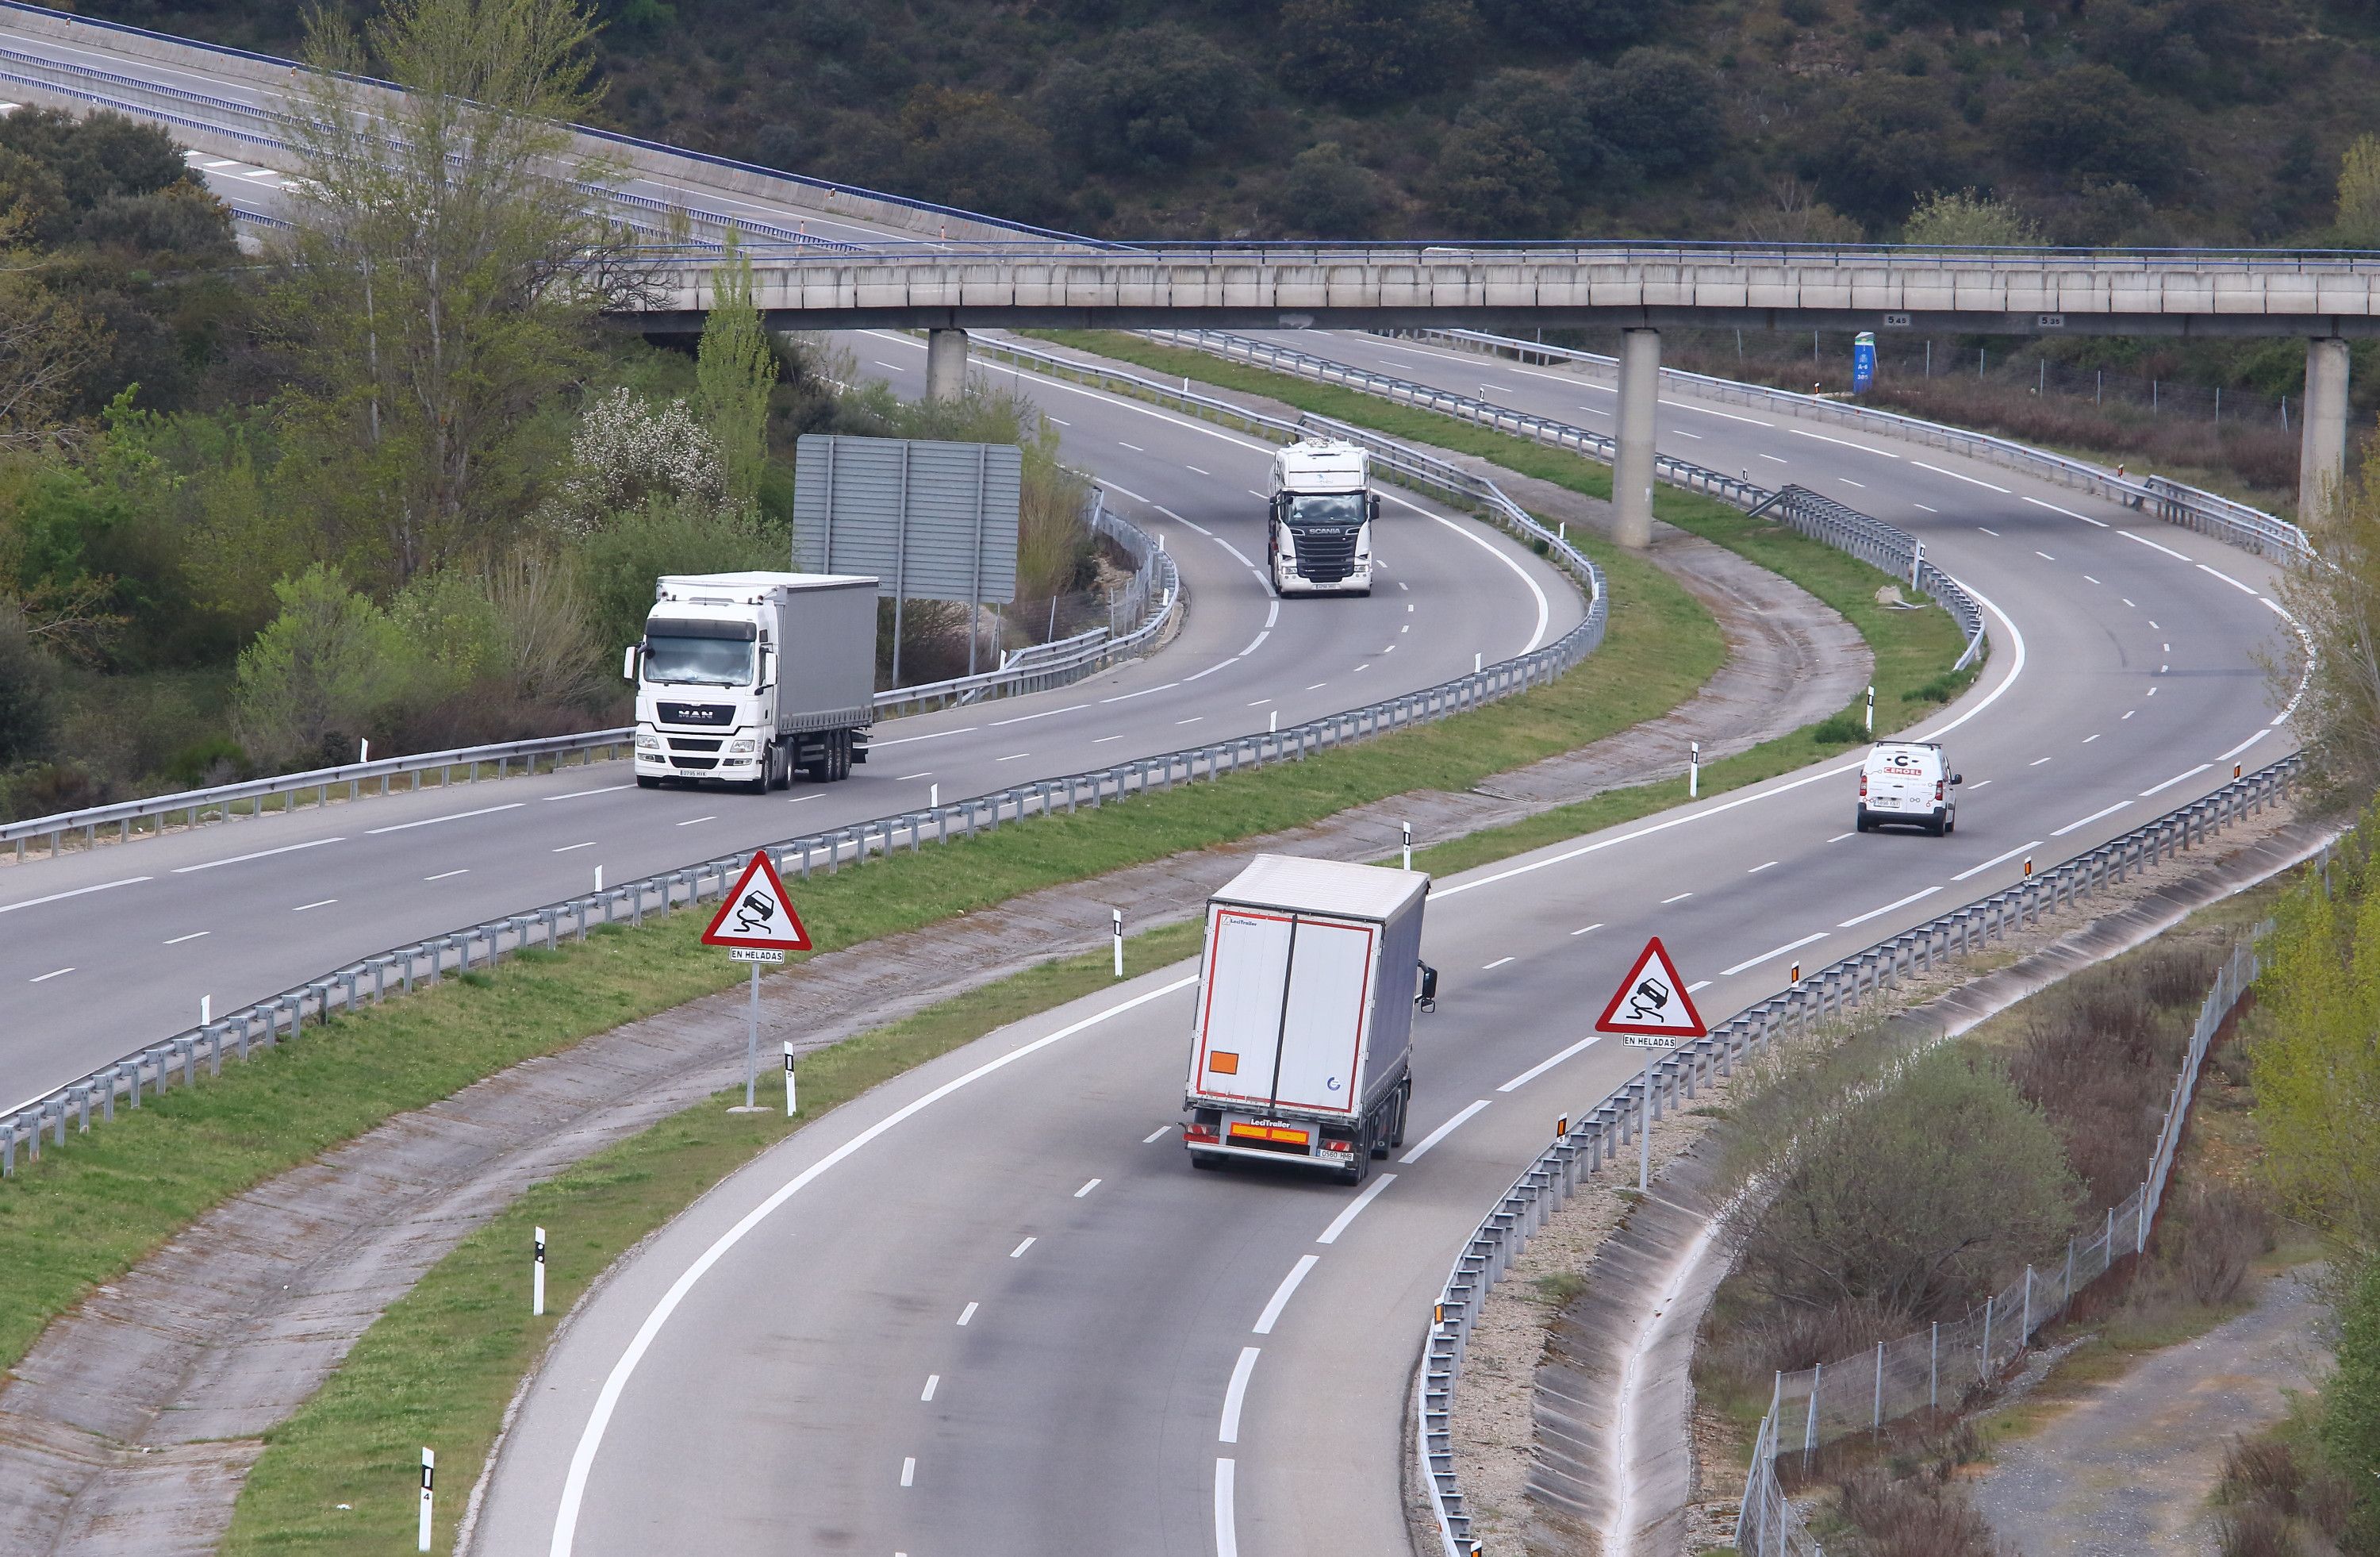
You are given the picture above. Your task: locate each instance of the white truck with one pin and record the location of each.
(746, 678)
(1302, 1037)
(1323, 508)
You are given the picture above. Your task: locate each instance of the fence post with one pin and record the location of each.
(2067, 1301)
(1934, 1368)
(1876, 1422)
(1984, 1368)
(1810, 1427)
(2024, 1331)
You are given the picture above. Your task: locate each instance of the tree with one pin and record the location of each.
(2090, 120)
(46, 346)
(1575, 26)
(1796, 215)
(1917, 1194)
(1966, 218)
(438, 287)
(1493, 182)
(1155, 98)
(1658, 108)
(2337, 608)
(1328, 193)
(1365, 50)
(973, 151)
(1890, 141)
(2359, 194)
(320, 672)
(735, 370)
(2350, 1403)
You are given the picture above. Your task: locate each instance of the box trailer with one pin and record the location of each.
(1302, 1040)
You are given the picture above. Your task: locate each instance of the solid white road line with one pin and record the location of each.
(2245, 745)
(1545, 608)
(1044, 713)
(2152, 545)
(2109, 810)
(1227, 1535)
(582, 793)
(1236, 1393)
(1254, 644)
(2244, 589)
(2176, 779)
(1996, 859)
(260, 854)
(968, 1312)
(1756, 962)
(1896, 903)
(1535, 1071)
(1839, 442)
(1127, 697)
(911, 741)
(457, 815)
(1237, 555)
(79, 892)
(590, 1438)
(1283, 1293)
(1354, 1208)
(1440, 1134)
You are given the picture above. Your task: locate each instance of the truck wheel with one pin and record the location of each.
(841, 756)
(780, 765)
(1207, 1159)
(1859, 823)
(646, 781)
(1405, 1106)
(1360, 1162)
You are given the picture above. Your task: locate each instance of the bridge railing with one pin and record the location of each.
(2237, 523)
(1607, 1130)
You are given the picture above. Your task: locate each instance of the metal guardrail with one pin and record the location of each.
(1884, 546)
(1154, 596)
(1598, 1134)
(1900, 1378)
(373, 978)
(2235, 523)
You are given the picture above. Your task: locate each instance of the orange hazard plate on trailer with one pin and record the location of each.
(1271, 1132)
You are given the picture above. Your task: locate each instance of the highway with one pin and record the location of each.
(105, 949)
(990, 1310)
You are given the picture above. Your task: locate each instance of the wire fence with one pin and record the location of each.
(1948, 1363)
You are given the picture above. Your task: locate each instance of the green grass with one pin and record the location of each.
(440, 1366)
(89, 1210)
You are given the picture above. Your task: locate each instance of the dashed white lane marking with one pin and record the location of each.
(1839, 442)
(2036, 762)
(1996, 859)
(1922, 507)
(2044, 555)
(1849, 482)
(79, 892)
(1879, 912)
(1993, 533)
(2134, 607)
(1157, 1134)
(1018, 1252)
(1758, 869)
(1317, 686)
(1839, 838)
(582, 793)
(196, 933)
(933, 1382)
(1196, 472)
(968, 1312)
(1698, 984)
(1706, 410)
(908, 1470)
(1191, 720)
(907, 777)
(1775, 459)
(695, 821)
(1236, 1393)
(1133, 448)
(2088, 740)
(1283, 1293)
(453, 816)
(1680, 898)
(2130, 711)
(1535, 1071)
(444, 874)
(1127, 697)
(234, 859)
(1102, 740)
(2244, 589)
(2176, 779)
(1440, 1134)
(2068, 513)
(45, 977)
(1970, 480)
(1497, 964)
(568, 847)
(1779, 952)
(318, 902)
(1354, 1208)
(1087, 1189)
(1681, 432)
(1044, 713)
(2104, 811)
(1584, 928)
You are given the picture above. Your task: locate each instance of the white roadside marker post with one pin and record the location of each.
(363, 752)
(429, 1468)
(206, 1009)
(1693, 770)
(1272, 723)
(537, 1279)
(598, 878)
(1475, 662)
(1871, 708)
(1406, 828)
(1119, 940)
(1916, 566)
(789, 1079)
(934, 797)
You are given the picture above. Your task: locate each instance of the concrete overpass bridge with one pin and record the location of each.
(2324, 297)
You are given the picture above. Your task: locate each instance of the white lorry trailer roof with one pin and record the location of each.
(1324, 886)
(1321, 466)
(746, 588)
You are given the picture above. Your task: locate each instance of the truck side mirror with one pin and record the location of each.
(1372, 507)
(1958, 778)
(1428, 999)
(768, 669)
(628, 664)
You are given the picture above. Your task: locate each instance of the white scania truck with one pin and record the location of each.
(1302, 1036)
(747, 678)
(1319, 540)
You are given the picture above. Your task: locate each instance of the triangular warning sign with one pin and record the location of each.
(758, 913)
(1652, 1000)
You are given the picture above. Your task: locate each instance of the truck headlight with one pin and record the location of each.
(646, 741)
(743, 746)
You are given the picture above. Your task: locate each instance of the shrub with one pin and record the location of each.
(2351, 1404)
(2089, 119)
(28, 691)
(1843, 729)
(215, 760)
(1156, 97)
(1912, 1517)
(1326, 193)
(319, 674)
(1493, 182)
(2255, 1530)
(1364, 50)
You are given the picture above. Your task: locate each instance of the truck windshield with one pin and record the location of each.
(1326, 508)
(706, 661)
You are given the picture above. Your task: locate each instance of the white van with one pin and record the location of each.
(1907, 782)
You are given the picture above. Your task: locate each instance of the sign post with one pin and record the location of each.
(757, 923)
(1650, 1010)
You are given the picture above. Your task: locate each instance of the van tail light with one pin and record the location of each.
(1937, 789)
(1863, 786)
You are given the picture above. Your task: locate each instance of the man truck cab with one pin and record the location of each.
(1319, 537)
(1908, 783)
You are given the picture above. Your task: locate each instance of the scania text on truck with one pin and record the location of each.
(1302, 1037)
(745, 678)
(1319, 539)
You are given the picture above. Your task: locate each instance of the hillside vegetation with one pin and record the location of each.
(2104, 121)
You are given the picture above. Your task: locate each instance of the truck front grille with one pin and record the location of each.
(1325, 556)
(694, 764)
(693, 743)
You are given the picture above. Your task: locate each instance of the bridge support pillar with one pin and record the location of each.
(946, 364)
(1632, 470)
(2322, 447)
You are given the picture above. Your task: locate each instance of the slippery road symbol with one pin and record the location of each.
(1650, 999)
(756, 913)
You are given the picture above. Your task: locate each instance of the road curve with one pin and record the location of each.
(1176, 1362)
